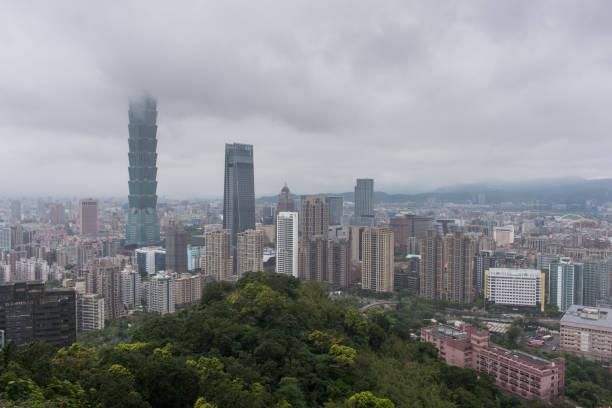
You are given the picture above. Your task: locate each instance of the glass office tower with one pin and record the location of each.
(239, 190)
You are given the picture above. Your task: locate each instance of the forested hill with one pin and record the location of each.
(268, 341)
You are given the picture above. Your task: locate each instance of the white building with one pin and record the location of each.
(131, 288)
(90, 314)
(151, 260)
(5, 237)
(188, 289)
(287, 243)
(515, 287)
(161, 293)
(503, 236)
(31, 269)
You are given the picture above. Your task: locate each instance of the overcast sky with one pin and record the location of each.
(416, 94)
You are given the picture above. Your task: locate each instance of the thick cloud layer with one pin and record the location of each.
(414, 94)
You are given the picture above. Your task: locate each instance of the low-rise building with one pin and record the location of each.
(587, 331)
(526, 376)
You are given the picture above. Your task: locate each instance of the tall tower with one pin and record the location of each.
(287, 243)
(176, 248)
(143, 221)
(364, 202)
(239, 190)
(285, 202)
(88, 217)
(377, 268)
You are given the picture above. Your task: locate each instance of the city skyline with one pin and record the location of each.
(424, 90)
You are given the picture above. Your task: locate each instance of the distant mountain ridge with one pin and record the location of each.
(569, 191)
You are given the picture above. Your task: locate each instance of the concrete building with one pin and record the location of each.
(515, 287)
(90, 312)
(339, 263)
(30, 312)
(287, 243)
(16, 213)
(106, 276)
(285, 201)
(239, 190)
(161, 294)
(459, 261)
(431, 267)
(485, 259)
(5, 237)
(314, 217)
(131, 288)
(188, 289)
(150, 260)
(595, 282)
(335, 204)
(218, 259)
(587, 331)
(378, 261)
(177, 240)
(521, 374)
(249, 252)
(503, 236)
(57, 214)
(565, 284)
(143, 221)
(88, 217)
(364, 202)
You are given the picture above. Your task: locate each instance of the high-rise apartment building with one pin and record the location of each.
(106, 274)
(88, 217)
(485, 259)
(249, 251)
(335, 204)
(314, 217)
(339, 263)
(90, 312)
(460, 250)
(131, 288)
(57, 214)
(176, 248)
(161, 294)
(239, 190)
(565, 284)
(432, 265)
(312, 259)
(364, 202)
(188, 289)
(218, 258)
(596, 282)
(378, 261)
(143, 220)
(5, 237)
(30, 312)
(287, 243)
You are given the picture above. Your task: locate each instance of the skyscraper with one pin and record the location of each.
(565, 284)
(314, 217)
(431, 266)
(131, 287)
(287, 243)
(88, 217)
(460, 251)
(285, 202)
(15, 211)
(335, 205)
(57, 214)
(143, 221)
(239, 190)
(378, 262)
(176, 248)
(364, 202)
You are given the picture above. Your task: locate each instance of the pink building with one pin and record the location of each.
(88, 217)
(526, 376)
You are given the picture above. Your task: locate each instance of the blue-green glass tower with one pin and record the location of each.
(143, 221)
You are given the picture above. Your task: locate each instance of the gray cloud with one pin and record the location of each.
(415, 94)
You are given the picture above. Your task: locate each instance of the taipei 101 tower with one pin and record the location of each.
(143, 221)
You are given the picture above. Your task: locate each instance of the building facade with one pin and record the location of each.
(587, 331)
(378, 261)
(150, 260)
(239, 190)
(249, 251)
(161, 294)
(218, 258)
(335, 204)
(364, 202)
(143, 221)
(516, 287)
(90, 312)
(521, 374)
(88, 217)
(177, 240)
(287, 243)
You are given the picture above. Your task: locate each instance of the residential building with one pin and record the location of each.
(5, 237)
(16, 212)
(431, 267)
(339, 262)
(314, 217)
(239, 190)
(285, 201)
(106, 276)
(188, 289)
(595, 282)
(485, 260)
(30, 312)
(287, 243)
(515, 287)
(503, 236)
(143, 221)
(249, 251)
(364, 202)
(131, 288)
(218, 258)
(565, 284)
(90, 312)
(587, 331)
(459, 254)
(378, 262)
(88, 217)
(57, 214)
(161, 294)
(515, 372)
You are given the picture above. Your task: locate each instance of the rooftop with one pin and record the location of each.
(593, 316)
(515, 273)
(521, 356)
